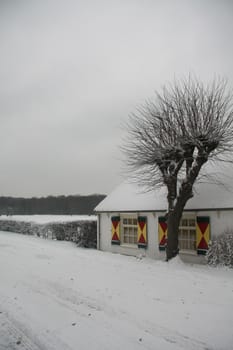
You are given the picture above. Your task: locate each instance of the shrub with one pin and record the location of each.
(220, 251)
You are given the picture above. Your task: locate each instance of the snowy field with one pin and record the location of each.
(55, 296)
(45, 219)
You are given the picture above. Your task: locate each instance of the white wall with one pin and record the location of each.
(219, 221)
(105, 232)
(152, 231)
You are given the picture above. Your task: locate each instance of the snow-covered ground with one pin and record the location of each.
(55, 296)
(45, 219)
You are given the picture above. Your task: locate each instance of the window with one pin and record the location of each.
(187, 233)
(129, 230)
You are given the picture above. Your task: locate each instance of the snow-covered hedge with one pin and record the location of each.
(25, 228)
(83, 233)
(221, 250)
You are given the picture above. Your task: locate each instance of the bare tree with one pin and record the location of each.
(171, 137)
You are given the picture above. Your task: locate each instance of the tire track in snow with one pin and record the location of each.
(170, 336)
(14, 338)
(68, 296)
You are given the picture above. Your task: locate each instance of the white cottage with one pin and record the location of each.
(132, 222)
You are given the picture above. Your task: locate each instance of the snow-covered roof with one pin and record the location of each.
(131, 197)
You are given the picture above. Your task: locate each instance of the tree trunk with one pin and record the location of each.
(173, 222)
(174, 216)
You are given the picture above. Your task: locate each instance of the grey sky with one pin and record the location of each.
(72, 71)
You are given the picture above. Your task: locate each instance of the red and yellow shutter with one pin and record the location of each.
(203, 234)
(142, 232)
(115, 229)
(162, 231)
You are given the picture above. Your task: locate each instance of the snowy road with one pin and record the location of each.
(55, 296)
(12, 335)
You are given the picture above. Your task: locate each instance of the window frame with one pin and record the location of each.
(191, 240)
(129, 216)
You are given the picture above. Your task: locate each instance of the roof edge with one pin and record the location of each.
(159, 210)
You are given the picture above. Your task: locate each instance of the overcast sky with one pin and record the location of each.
(71, 72)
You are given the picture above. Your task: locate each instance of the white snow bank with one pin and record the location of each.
(44, 219)
(56, 296)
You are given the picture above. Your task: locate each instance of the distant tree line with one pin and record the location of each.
(56, 205)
